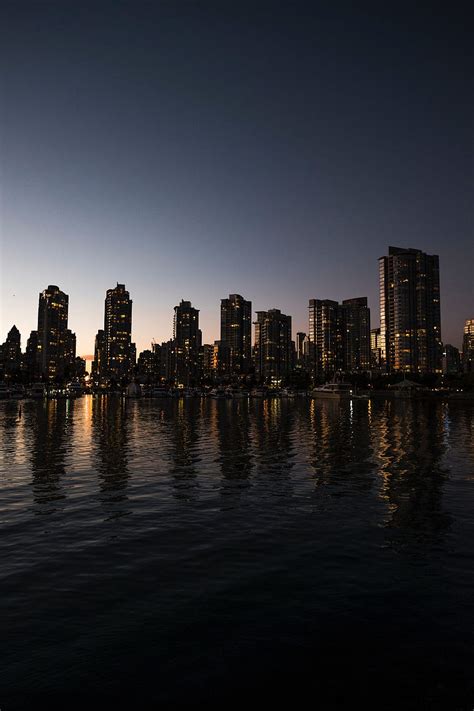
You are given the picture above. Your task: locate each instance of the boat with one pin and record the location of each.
(334, 391)
(257, 392)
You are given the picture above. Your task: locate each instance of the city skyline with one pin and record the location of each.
(228, 149)
(165, 329)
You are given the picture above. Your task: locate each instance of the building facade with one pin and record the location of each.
(52, 333)
(468, 346)
(187, 342)
(376, 347)
(30, 359)
(98, 364)
(339, 336)
(236, 332)
(118, 354)
(10, 355)
(451, 362)
(273, 350)
(355, 334)
(410, 321)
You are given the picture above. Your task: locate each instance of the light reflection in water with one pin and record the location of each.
(391, 452)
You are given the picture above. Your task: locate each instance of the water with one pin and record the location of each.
(163, 552)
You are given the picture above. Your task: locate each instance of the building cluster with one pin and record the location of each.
(339, 339)
(50, 353)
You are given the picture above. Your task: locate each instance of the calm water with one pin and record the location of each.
(201, 551)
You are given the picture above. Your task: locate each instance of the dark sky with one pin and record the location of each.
(191, 150)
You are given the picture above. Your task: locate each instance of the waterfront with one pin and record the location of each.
(200, 550)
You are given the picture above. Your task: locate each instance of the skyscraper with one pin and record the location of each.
(355, 334)
(30, 360)
(70, 350)
(451, 361)
(98, 365)
(410, 321)
(187, 338)
(468, 346)
(273, 348)
(339, 335)
(118, 347)
(10, 354)
(52, 332)
(236, 331)
(376, 347)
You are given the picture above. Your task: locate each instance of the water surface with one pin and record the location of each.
(164, 552)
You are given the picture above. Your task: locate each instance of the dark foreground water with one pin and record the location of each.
(157, 553)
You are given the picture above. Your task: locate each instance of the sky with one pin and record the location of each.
(196, 149)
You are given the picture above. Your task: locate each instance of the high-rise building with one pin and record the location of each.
(118, 347)
(451, 361)
(355, 334)
(221, 359)
(410, 321)
(468, 346)
(324, 336)
(168, 360)
(98, 365)
(339, 335)
(52, 332)
(206, 358)
(301, 345)
(187, 338)
(30, 359)
(10, 354)
(273, 346)
(148, 365)
(70, 350)
(376, 347)
(236, 331)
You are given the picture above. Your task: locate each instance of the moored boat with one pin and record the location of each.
(333, 391)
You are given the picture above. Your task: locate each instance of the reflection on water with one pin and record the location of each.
(110, 445)
(410, 441)
(51, 430)
(397, 452)
(255, 526)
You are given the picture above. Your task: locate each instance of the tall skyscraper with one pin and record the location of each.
(468, 346)
(339, 335)
(273, 348)
(324, 336)
(355, 334)
(118, 347)
(187, 338)
(98, 364)
(70, 350)
(410, 321)
(52, 332)
(236, 331)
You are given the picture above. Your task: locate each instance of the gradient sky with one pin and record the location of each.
(192, 150)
